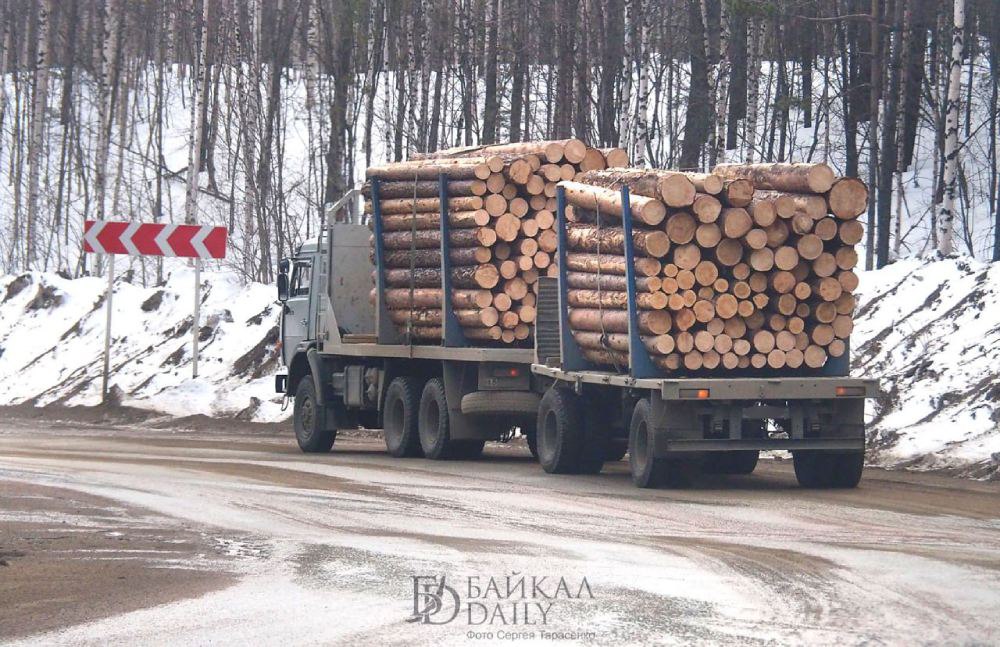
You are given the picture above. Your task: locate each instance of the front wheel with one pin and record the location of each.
(315, 427)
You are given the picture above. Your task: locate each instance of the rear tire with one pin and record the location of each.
(615, 449)
(315, 426)
(400, 418)
(559, 434)
(828, 469)
(743, 461)
(531, 438)
(434, 426)
(647, 470)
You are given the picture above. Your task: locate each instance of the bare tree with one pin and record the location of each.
(946, 217)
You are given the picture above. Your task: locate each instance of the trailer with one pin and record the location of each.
(348, 366)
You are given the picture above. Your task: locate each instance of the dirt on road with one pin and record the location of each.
(145, 532)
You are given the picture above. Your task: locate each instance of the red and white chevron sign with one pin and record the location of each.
(154, 239)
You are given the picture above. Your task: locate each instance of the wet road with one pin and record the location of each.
(138, 534)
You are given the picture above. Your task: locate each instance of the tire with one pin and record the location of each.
(560, 433)
(433, 425)
(647, 470)
(840, 470)
(517, 404)
(848, 471)
(531, 437)
(399, 418)
(315, 426)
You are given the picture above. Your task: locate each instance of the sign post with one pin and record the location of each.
(153, 239)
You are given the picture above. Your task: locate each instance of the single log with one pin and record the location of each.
(788, 205)
(762, 260)
(607, 299)
(729, 252)
(730, 360)
(681, 228)
(847, 258)
(674, 189)
(708, 235)
(802, 291)
(846, 303)
(516, 288)
(590, 238)
(787, 303)
(777, 234)
(843, 326)
(593, 160)
(426, 205)
(425, 189)
(704, 341)
(706, 182)
(548, 240)
(825, 312)
(609, 202)
(659, 344)
(610, 263)
(527, 246)
(502, 302)
(423, 221)
(507, 227)
(794, 178)
(613, 282)
(763, 341)
(735, 222)
(776, 359)
(851, 232)
(484, 317)
(429, 238)
(706, 208)
(828, 289)
(706, 272)
(742, 347)
(615, 157)
(802, 224)
(455, 169)
(755, 239)
(810, 247)
(704, 311)
(694, 360)
(786, 258)
(737, 193)
(529, 227)
(762, 211)
(431, 298)
(826, 228)
(784, 340)
(726, 306)
(651, 322)
(686, 257)
(824, 265)
(822, 334)
(427, 258)
(848, 280)
(848, 198)
(496, 182)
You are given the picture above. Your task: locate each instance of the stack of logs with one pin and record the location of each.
(501, 213)
(749, 266)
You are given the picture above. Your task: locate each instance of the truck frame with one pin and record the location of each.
(348, 366)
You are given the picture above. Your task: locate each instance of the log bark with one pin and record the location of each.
(848, 198)
(651, 322)
(426, 205)
(610, 263)
(795, 178)
(589, 238)
(609, 202)
(456, 169)
(672, 188)
(431, 238)
(618, 300)
(431, 298)
(419, 221)
(613, 282)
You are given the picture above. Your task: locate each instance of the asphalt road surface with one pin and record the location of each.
(225, 533)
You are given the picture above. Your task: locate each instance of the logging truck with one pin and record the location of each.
(350, 365)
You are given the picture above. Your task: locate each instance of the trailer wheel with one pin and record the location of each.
(615, 450)
(647, 470)
(400, 418)
(530, 433)
(559, 435)
(315, 428)
(828, 469)
(433, 424)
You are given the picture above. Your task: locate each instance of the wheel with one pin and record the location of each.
(530, 433)
(467, 449)
(434, 425)
(743, 461)
(315, 427)
(615, 449)
(559, 434)
(647, 470)
(400, 418)
(847, 472)
(828, 469)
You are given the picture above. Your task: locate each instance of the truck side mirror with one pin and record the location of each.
(283, 287)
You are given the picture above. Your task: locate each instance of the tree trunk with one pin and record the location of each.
(696, 121)
(946, 217)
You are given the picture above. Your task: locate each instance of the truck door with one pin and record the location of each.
(295, 320)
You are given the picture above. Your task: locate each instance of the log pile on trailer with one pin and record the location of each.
(501, 216)
(750, 266)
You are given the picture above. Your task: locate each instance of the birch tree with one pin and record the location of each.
(38, 121)
(946, 215)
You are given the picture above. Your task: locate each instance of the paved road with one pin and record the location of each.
(139, 534)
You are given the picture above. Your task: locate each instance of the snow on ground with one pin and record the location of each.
(928, 329)
(52, 339)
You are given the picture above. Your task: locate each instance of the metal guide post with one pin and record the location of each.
(572, 358)
(640, 364)
(106, 374)
(384, 328)
(452, 335)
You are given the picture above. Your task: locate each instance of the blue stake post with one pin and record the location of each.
(384, 328)
(452, 336)
(572, 358)
(640, 364)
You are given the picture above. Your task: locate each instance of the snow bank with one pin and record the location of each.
(928, 329)
(52, 339)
